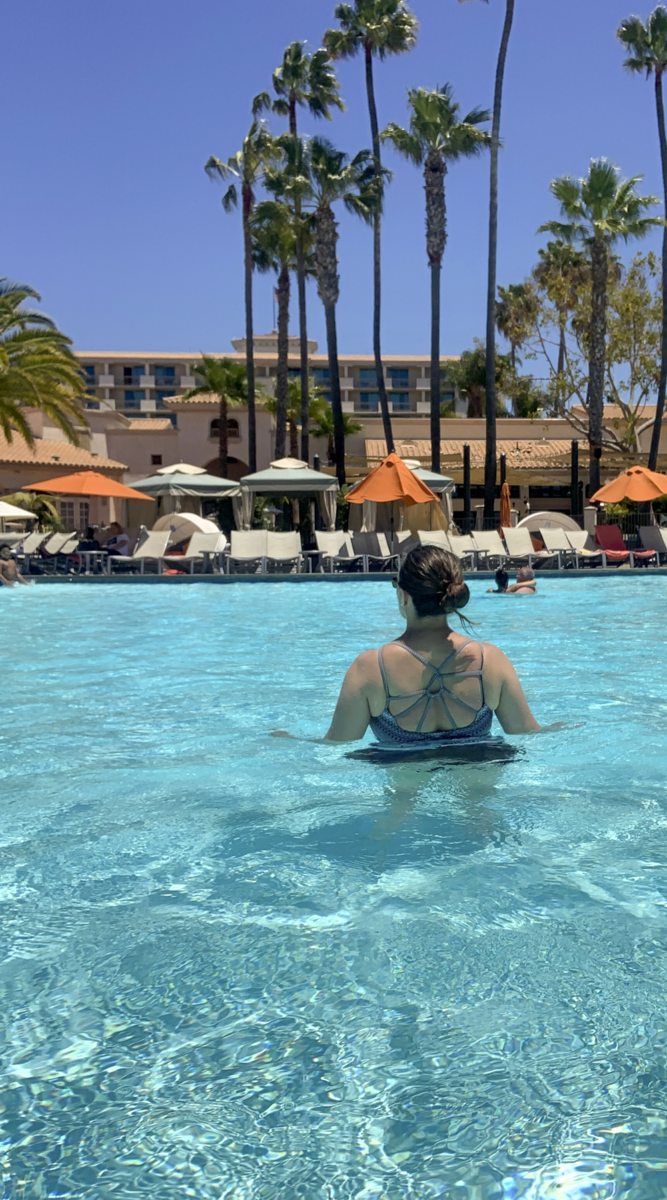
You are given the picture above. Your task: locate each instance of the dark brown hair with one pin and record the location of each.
(433, 578)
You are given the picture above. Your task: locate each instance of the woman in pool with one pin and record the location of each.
(431, 686)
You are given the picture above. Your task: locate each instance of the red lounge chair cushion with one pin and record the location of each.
(610, 538)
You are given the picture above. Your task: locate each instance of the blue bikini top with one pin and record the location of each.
(386, 727)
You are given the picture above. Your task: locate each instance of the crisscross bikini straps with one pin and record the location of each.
(427, 692)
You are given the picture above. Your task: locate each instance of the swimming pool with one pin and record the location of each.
(242, 967)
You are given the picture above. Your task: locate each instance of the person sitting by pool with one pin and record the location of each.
(9, 572)
(118, 542)
(432, 685)
(502, 580)
(525, 583)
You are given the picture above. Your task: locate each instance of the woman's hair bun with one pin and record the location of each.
(433, 578)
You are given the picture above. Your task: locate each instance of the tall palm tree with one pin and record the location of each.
(228, 380)
(295, 410)
(376, 28)
(490, 456)
(307, 81)
(246, 169)
(435, 138)
(516, 309)
(648, 52)
(323, 425)
(37, 367)
(334, 178)
(274, 249)
(562, 274)
(597, 211)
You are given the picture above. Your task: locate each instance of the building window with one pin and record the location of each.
(67, 514)
(294, 372)
(326, 396)
(399, 376)
(84, 515)
(160, 398)
(156, 460)
(321, 376)
(368, 402)
(367, 377)
(92, 403)
(89, 372)
(233, 432)
(400, 402)
(164, 376)
(132, 376)
(133, 399)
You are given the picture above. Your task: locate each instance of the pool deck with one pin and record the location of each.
(341, 577)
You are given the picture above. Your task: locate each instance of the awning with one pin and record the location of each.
(202, 486)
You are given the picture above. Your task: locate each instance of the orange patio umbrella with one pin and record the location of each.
(505, 506)
(637, 483)
(87, 483)
(392, 480)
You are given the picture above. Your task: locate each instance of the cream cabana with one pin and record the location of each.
(287, 477)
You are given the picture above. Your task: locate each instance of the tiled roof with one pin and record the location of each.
(148, 425)
(50, 453)
(205, 400)
(546, 452)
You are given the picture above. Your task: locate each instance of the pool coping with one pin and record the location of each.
(341, 577)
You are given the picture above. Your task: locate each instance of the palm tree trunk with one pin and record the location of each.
(436, 235)
(377, 278)
(490, 459)
(303, 336)
(293, 440)
(435, 366)
(249, 335)
(283, 291)
(334, 380)
(598, 336)
(223, 437)
(662, 386)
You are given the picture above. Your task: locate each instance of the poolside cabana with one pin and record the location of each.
(292, 478)
(173, 487)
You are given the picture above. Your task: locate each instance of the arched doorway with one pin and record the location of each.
(236, 468)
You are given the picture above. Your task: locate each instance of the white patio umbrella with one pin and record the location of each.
(10, 512)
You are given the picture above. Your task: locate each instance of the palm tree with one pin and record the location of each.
(375, 27)
(274, 249)
(490, 457)
(294, 409)
(435, 138)
(37, 367)
(43, 507)
(307, 81)
(246, 169)
(334, 178)
(648, 52)
(562, 273)
(516, 310)
(597, 211)
(228, 380)
(323, 427)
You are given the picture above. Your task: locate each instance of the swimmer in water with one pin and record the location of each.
(9, 572)
(525, 583)
(432, 686)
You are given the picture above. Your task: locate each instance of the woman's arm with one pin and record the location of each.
(352, 713)
(505, 695)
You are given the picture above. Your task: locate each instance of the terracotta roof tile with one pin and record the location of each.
(543, 453)
(148, 424)
(49, 453)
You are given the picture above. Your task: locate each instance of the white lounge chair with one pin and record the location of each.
(200, 547)
(150, 548)
(30, 546)
(336, 547)
(249, 547)
(463, 546)
(521, 549)
(374, 548)
(435, 537)
(404, 541)
(284, 549)
(487, 542)
(555, 540)
(653, 537)
(584, 547)
(55, 546)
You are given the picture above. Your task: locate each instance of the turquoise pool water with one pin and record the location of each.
(244, 968)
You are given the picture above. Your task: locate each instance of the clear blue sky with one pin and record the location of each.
(112, 110)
